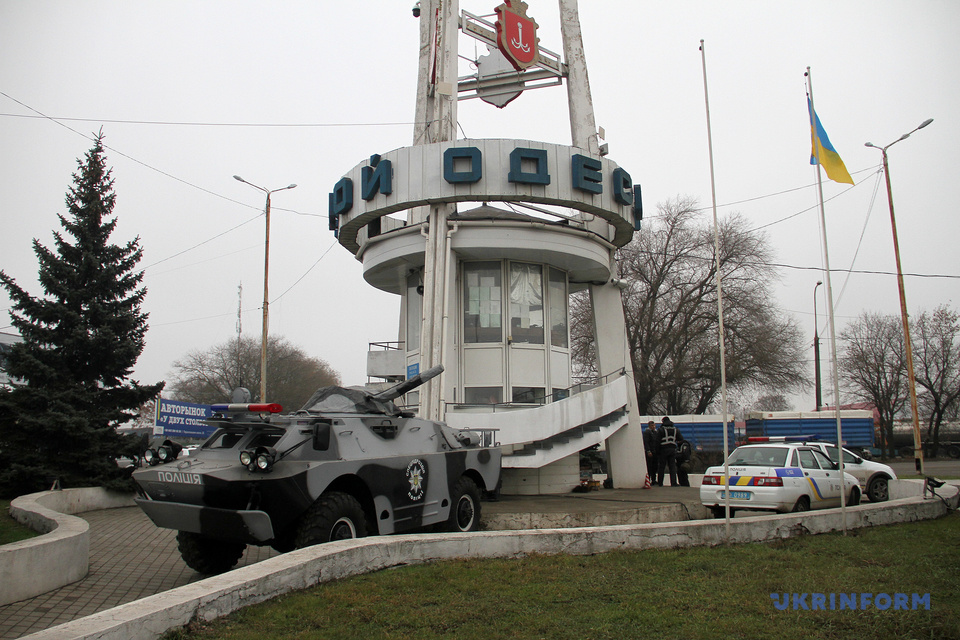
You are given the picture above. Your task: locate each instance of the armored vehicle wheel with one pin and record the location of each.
(208, 555)
(334, 516)
(465, 507)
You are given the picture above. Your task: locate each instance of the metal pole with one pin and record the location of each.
(830, 311)
(266, 303)
(816, 349)
(722, 343)
(266, 282)
(911, 378)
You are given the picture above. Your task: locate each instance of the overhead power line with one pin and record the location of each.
(167, 123)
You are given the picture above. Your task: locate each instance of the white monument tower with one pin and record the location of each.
(485, 288)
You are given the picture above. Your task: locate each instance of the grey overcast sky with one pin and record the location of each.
(190, 93)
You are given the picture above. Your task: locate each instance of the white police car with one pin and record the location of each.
(874, 477)
(777, 476)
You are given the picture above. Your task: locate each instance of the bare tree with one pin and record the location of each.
(670, 305)
(873, 367)
(210, 376)
(936, 349)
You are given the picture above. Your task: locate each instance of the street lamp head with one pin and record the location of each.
(925, 123)
(239, 178)
(819, 282)
(866, 144)
(292, 186)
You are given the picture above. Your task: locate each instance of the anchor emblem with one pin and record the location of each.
(518, 42)
(512, 22)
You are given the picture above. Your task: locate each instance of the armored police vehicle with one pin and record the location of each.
(348, 464)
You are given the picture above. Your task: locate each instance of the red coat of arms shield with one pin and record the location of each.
(517, 34)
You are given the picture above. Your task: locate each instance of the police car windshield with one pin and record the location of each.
(759, 456)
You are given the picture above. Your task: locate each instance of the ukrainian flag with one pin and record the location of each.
(823, 149)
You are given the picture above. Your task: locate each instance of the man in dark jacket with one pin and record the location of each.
(668, 438)
(650, 446)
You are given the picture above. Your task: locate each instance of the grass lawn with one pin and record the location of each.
(721, 592)
(10, 529)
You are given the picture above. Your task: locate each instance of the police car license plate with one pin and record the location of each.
(737, 495)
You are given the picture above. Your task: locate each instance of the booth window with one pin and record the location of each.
(414, 313)
(529, 395)
(526, 303)
(483, 395)
(482, 302)
(557, 287)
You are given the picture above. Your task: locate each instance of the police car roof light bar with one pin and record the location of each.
(757, 439)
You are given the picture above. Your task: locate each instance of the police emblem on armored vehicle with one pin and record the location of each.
(347, 465)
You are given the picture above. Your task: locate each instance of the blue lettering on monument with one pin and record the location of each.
(622, 183)
(586, 174)
(377, 177)
(637, 208)
(464, 166)
(342, 197)
(523, 156)
(450, 165)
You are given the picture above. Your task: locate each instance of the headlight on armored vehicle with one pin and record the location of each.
(169, 450)
(260, 459)
(265, 458)
(166, 452)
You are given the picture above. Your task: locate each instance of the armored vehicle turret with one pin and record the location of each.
(346, 465)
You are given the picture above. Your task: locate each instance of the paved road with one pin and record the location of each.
(130, 558)
(946, 467)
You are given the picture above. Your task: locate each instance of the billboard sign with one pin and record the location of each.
(177, 419)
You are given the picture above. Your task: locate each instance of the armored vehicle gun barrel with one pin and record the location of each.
(408, 385)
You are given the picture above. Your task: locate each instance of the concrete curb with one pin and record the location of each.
(60, 556)
(211, 598)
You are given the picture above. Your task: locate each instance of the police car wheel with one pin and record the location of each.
(721, 512)
(208, 555)
(465, 507)
(803, 504)
(878, 490)
(334, 516)
(854, 497)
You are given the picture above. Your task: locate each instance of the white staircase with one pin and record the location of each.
(533, 437)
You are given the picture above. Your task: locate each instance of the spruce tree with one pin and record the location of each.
(81, 340)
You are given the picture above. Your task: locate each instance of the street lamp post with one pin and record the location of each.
(266, 281)
(911, 379)
(816, 349)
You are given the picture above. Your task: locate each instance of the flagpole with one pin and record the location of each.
(830, 314)
(716, 251)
